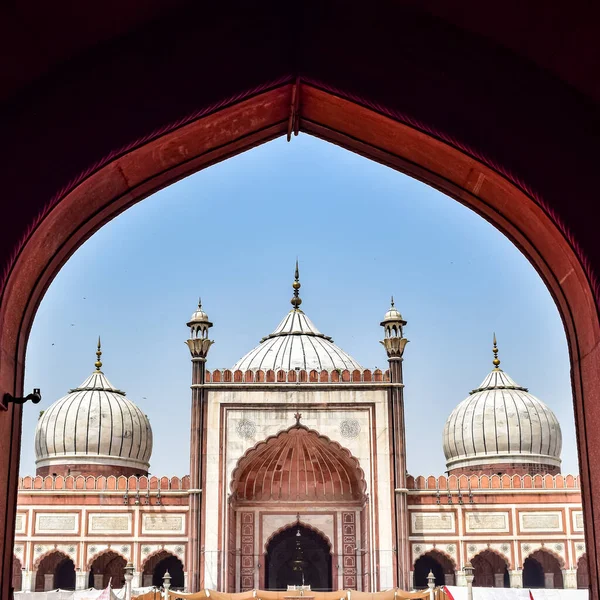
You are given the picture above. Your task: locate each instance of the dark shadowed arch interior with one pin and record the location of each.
(17, 577)
(583, 575)
(441, 567)
(111, 566)
(62, 569)
(490, 570)
(156, 567)
(298, 556)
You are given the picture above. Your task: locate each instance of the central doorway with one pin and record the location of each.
(298, 556)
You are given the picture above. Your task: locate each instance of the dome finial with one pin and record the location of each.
(98, 363)
(496, 360)
(199, 303)
(392, 301)
(296, 300)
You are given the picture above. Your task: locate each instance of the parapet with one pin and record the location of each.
(298, 376)
(102, 483)
(494, 482)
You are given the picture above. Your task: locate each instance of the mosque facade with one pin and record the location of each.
(298, 476)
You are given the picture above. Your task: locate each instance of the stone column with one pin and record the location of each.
(516, 578)
(28, 581)
(448, 579)
(81, 579)
(549, 581)
(498, 580)
(137, 580)
(48, 582)
(99, 581)
(461, 580)
(570, 579)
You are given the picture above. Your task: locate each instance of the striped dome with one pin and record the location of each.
(296, 344)
(93, 425)
(501, 423)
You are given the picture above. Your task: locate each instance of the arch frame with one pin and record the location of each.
(506, 559)
(39, 559)
(156, 553)
(291, 526)
(96, 556)
(432, 552)
(123, 178)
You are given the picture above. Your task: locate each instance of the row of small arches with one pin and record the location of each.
(297, 376)
(493, 482)
(112, 482)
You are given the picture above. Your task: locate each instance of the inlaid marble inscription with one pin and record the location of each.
(424, 522)
(56, 523)
(487, 521)
(109, 522)
(540, 521)
(166, 523)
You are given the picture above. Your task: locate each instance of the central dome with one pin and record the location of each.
(296, 344)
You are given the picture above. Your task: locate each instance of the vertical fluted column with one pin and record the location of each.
(199, 345)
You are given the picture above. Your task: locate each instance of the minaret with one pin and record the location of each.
(394, 343)
(199, 345)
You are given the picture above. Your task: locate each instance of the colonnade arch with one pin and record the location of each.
(17, 574)
(543, 569)
(583, 574)
(491, 570)
(155, 566)
(440, 564)
(55, 570)
(107, 567)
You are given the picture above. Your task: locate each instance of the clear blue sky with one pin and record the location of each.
(361, 231)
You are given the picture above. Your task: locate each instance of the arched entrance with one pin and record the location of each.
(491, 570)
(583, 576)
(298, 556)
(107, 568)
(17, 575)
(157, 565)
(297, 471)
(549, 245)
(436, 562)
(541, 569)
(55, 571)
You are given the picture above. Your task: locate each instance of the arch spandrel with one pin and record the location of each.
(270, 471)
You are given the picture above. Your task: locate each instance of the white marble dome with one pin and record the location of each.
(296, 344)
(94, 424)
(502, 423)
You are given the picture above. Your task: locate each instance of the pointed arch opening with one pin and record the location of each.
(542, 569)
(298, 555)
(491, 570)
(55, 571)
(436, 562)
(107, 567)
(158, 564)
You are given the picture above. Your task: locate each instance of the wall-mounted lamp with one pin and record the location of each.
(7, 399)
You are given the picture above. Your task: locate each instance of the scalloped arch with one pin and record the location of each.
(269, 471)
(291, 526)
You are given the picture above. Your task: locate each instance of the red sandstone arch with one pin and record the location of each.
(50, 562)
(274, 468)
(17, 574)
(111, 565)
(470, 168)
(291, 526)
(487, 564)
(583, 574)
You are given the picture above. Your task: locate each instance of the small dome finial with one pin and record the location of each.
(98, 363)
(392, 301)
(496, 360)
(199, 303)
(296, 300)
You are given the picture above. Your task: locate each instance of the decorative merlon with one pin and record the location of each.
(299, 376)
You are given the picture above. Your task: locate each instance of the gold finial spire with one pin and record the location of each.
(98, 363)
(296, 300)
(496, 360)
